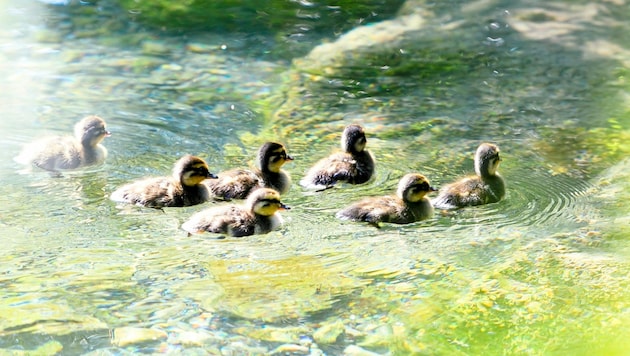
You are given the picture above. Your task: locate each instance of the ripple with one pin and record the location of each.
(535, 198)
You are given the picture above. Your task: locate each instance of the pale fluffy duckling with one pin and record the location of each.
(486, 187)
(184, 188)
(65, 152)
(355, 165)
(257, 216)
(238, 183)
(410, 204)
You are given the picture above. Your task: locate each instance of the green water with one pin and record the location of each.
(543, 272)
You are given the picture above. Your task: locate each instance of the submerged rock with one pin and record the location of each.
(125, 336)
(52, 347)
(354, 350)
(329, 332)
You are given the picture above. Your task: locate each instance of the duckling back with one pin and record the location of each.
(486, 187)
(257, 216)
(409, 205)
(184, 188)
(159, 192)
(65, 152)
(53, 154)
(354, 166)
(387, 209)
(239, 183)
(234, 184)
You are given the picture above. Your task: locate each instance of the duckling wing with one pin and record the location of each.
(233, 184)
(151, 192)
(228, 220)
(375, 210)
(468, 191)
(52, 153)
(339, 167)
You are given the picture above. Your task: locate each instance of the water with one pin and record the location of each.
(535, 273)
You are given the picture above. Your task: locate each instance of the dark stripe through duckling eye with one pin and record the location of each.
(201, 170)
(278, 156)
(423, 187)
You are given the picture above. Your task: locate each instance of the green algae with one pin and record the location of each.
(300, 286)
(545, 299)
(254, 15)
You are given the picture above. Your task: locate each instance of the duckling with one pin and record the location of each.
(184, 188)
(407, 206)
(258, 216)
(355, 165)
(486, 187)
(238, 183)
(65, 152)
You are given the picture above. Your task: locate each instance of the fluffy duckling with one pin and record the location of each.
(355, 165)
(65, 152)
(409, 204)
(184, 188)
(238, 183)
(486, 187)
(257, 216)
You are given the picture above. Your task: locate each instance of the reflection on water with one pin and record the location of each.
(80, 274)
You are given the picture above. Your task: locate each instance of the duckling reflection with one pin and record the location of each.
(486, 187)
(355, 165)
(65, 152)
(238, 183)
(184, 188)
(257, 216)
(408, 205)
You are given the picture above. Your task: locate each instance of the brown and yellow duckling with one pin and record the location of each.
(257, 216)
(410, 204)
(66, 152)
(238, 183)
(184, 188)
(485, 187)
(355, 165)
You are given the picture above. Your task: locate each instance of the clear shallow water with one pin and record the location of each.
(75, 266)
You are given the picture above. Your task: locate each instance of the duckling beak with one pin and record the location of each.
(433, 189)
(289, 158)
(284, 207)
(212, 176)
(107, 133)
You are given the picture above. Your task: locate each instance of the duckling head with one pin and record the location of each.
(265, 202)
(271, 157)
(413, 187)
(191, 170)
(91, 131)
(353, 139)
(487, 160)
